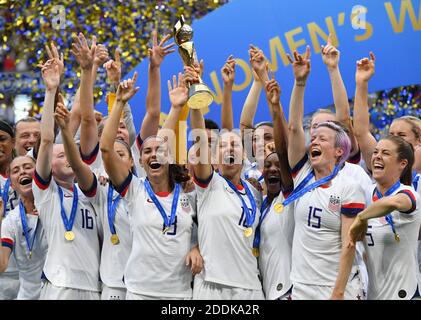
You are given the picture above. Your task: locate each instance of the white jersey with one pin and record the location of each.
(317, 243)
(156, 265)
(357, 173)
(227, 253)
(30, 269)
(71, 264)
(276, 231)
(392, 266)
(12, 202)
(113, 257)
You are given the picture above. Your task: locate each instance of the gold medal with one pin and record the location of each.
(30, 254)
(279, 207)
(248, 232)
(69, 235)
(114, 239)
(255, 252)
(165, 230)
(397, 238)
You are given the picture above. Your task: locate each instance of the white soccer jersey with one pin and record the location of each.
(357, 173)
(12, 202)
(317, 242)
(392, 266)
(227, 253)
(113, 257)
(30, 269)
(71, 264)
(277, 231)
(156, 265)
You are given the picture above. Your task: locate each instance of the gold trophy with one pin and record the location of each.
(200, 95)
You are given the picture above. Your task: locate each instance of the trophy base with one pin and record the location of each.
(200, 96)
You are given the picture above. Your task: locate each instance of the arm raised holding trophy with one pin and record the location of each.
(200, 95)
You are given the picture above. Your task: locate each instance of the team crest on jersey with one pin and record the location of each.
(185, 204)
(334, 203)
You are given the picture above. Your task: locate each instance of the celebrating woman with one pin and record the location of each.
(21, 232)
(72, 263)
(228, 211)
(390, 237)
(273, 239)
(161, 214)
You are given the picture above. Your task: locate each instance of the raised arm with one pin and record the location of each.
(82, 171)
(203, 168)
(259, 66)
(101, 57)
(51, 76)
(273, 94)
(366, 141)
(179, 94)
(85, 57)
(75, 112)
(113, 164)
(157, 54)
(113, 69)
(228, 75)
(296, 137)
(330, 56)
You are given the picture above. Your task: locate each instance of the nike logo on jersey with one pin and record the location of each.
(149, 200)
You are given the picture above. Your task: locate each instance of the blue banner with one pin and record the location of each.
(391, 29)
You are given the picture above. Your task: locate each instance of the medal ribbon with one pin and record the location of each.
(388, 217)
(250, 217)
(302, 189)
(112, 208)
(5, 196)
(170, 222)
(415, 180)
(29, 244)
(264, 211)
(68, 223)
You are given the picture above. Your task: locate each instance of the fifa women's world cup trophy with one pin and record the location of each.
(200, 95)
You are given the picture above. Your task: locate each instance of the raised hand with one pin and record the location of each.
(258, 61)
(158, 51)
(301, 65)
(178, 92)
(273, 91)
(199, 67)
(50, 74)
(228, 72)
(113, 69)
(101, 55)
(84, 55)
(365, 69)
(53, 54)
(126, 89)
(330, 54)
(269, 148)
(62, 115)
(191, 74)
